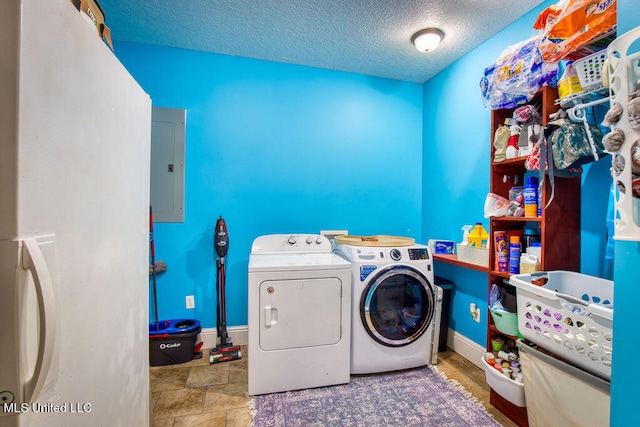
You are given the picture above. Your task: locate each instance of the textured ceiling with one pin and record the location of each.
(369, 37)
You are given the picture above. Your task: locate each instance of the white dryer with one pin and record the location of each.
(299, 314)
(396, 307)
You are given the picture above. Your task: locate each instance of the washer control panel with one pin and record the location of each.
(392, 254)
(291, 243)
(418, 253)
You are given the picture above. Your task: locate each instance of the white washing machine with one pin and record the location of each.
(299, 314)
(396, 307)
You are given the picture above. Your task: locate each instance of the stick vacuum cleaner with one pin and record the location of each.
(225, 351)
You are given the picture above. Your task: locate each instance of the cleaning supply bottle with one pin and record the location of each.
(502, 251)
(478, 236)
(539, 200)
(535, 248)
(529, 263)
(466, 229)
(514, 254)
(529, 236)
(531, 197)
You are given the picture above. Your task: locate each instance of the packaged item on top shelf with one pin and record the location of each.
(574, 28)
(516, 76)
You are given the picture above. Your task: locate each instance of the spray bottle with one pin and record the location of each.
(466, 229)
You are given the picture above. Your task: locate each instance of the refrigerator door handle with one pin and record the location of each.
(34, 261)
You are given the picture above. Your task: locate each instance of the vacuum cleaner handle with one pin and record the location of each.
(221, 238)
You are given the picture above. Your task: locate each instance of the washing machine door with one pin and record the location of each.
(397, 305)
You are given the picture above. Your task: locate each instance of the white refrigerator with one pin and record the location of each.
(74, 236)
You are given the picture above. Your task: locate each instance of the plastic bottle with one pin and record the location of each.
(502, 251)
(529, 263)
(512, 144)
(539, 201)
(535, 249)
(531, 197)
(478, 236)
(530, 235)
(569, 82)
(466, 229)
(514, 254)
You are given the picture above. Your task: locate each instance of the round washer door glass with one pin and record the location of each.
(397, 306)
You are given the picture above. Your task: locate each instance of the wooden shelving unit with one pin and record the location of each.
(453, 259)
(558, 227)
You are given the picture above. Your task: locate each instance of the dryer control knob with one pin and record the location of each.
(395, 254)
(319, 240)
(292, 240)
(309, 240)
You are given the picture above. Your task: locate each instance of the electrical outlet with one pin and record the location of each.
(474, 311)
(191, 303)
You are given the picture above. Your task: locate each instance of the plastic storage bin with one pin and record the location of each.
(570, 316)
(558, 394)
(473, 254)
(173, 341)
(589, 70)
(506, 387)
(505, 322)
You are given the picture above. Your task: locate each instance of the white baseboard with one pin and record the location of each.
(239, 335)
(466, 348)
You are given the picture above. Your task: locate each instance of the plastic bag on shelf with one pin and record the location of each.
(516, 76)
(495, 205)
(571, 25)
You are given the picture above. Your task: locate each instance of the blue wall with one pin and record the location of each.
(277, 148)
(456, 156)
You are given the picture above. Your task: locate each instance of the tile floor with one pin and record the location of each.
(197, 394)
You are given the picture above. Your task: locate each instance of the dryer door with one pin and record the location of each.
(300, 313)
(397, 306)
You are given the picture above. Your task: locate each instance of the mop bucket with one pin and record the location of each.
(172, 341)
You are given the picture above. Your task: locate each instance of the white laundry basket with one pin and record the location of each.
(570, 316)
(559, 394)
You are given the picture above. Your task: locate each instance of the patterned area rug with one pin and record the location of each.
(419, 397)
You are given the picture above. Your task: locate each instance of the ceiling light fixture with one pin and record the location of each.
(427, 40)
